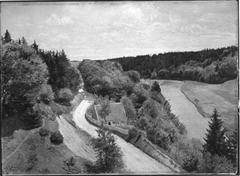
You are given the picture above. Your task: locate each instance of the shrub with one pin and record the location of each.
(46, 93)
(133, 75)
(155, 87)
(215, 164)
(43, 132)
(56, 138)
(65, 95)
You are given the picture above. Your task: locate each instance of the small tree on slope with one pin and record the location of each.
(109, 156)
(215, 142)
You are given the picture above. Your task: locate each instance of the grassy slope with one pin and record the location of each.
(206, 97)
(50, 158)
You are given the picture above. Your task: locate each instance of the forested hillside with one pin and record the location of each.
(145, 106)
(34, 80)
(208, 65)
(148, 111)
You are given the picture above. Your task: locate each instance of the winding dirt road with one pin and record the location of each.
(134, 159)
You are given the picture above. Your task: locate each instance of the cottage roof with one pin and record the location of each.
(117, 113)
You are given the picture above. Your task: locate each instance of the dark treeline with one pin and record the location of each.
(34, 80)
(208, 65)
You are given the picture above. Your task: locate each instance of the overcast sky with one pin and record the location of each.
(101, 30)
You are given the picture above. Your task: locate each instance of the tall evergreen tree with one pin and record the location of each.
(7, 37)
(215, 142)
(155, 87)
(108, 153)
(35, 46)
(24, 41)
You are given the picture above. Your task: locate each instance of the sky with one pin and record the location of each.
(101, 30)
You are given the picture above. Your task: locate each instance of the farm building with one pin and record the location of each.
(117, 116)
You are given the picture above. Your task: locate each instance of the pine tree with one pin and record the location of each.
(108, 153)
(215, 142)
(24, 41)
(155, 87)
(7, 37)
(35, 46)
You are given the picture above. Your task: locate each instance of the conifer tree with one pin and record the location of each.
(108, 153)
(215, 142)
(35, 46)
(7, 37)
(155, 87)
(24, 41)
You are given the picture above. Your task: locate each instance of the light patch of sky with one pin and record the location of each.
(100, 30)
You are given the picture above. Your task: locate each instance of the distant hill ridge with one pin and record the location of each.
(208, 65)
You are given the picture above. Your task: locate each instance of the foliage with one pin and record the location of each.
(46, 94)
(232, 144)
(215, 164)
(149, 108)
(23, 72)
(56, 138)
(7, 37)
(129, 108)
(105, 108)
(32, 161)
(61, 73)
(190, 65)
(105, 78)
(133, 75)
(107, 152)
(70, 166)
(155, 87)
(64, 95)
(139, 95)
(215, 142)
(43, 132)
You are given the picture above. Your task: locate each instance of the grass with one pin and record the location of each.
(206, 97)
(36, 155)
(26, 152)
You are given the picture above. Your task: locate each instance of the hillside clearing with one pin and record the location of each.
(188, 114)
(206, 97)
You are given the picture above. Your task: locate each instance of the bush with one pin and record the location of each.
(43, 132)
(65, 95)
(46, 93)
(215, 164)
(133, 75)
(56, 138)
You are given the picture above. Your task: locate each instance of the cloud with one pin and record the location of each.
(55, 20)
(61, 37)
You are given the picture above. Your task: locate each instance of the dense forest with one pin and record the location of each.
(208, 65)
(34, 81)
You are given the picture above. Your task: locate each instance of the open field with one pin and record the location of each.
(196, 101)
(188, 114)
(206, 97)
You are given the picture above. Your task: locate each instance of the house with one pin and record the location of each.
(117, 116)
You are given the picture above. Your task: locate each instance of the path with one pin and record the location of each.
(135, 160)
(188, 114)
(30, 133)
(73, 141)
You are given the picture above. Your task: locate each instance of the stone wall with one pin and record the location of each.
(147, 147)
